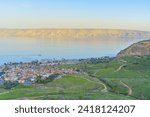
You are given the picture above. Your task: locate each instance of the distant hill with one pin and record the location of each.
(138, 49)
(73, 33)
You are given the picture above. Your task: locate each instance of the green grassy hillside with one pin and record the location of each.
(133, 71)
(121, 78)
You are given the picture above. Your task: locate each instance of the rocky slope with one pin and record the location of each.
(72, 33)
(138, 49)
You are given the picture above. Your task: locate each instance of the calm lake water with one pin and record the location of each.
(28, 49)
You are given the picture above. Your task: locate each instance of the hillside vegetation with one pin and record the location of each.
(138, 49)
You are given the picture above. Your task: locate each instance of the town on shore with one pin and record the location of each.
(28, 73)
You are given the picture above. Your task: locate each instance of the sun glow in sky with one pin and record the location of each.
(116, 14)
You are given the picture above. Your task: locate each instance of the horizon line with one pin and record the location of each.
(73, 29)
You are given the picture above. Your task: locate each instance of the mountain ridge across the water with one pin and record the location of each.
(73, 33)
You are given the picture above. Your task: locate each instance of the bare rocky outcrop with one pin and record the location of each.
(138, 49)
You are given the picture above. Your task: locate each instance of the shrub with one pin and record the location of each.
(10, 84)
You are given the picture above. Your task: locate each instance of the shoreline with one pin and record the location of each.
(61, 60)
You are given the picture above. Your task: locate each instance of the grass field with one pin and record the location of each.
(135, 73)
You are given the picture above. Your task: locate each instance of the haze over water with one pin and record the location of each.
(69, 14)
(28, 49)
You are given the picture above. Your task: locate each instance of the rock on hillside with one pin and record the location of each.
(138, 49)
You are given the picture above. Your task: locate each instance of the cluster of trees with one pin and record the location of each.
(9, 84)
(105, 59)
(40, 80)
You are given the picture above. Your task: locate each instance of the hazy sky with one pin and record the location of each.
(124, 14)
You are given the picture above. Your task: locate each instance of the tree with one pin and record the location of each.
(10, 84)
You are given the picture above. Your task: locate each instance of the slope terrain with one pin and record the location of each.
(137, 49)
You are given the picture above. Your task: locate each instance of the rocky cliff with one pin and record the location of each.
(138, 49)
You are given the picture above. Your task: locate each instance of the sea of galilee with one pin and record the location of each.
(25, 45)
(99, 67)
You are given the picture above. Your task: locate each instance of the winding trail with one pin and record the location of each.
(120, 67)
(129, 88)
(96, 72)
(95, 80)
(98, 81)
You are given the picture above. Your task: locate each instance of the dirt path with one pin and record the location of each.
(95, 80)
(123, 61)
(99, 82)
(120, 67)
(129, 88)
(105, 87)
(4, 92)
(96, 72)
